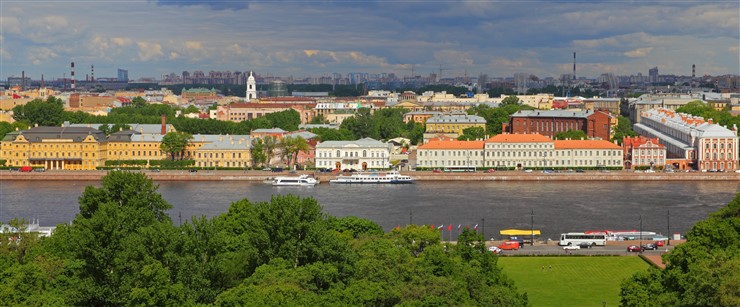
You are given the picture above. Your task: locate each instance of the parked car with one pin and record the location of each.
(496, 250)
(436, 171)
(517, 239)
(267, 169)
(14, 169)
(584, 245)
(635, 248)
(509, 245)
(650, 246)
(490, 170)
(26, 169)
(580, 171)
(527, 170)
(192, 170)
(659, 243)
(571, 247)
(154, 170)
(649, 171)
(40, 169)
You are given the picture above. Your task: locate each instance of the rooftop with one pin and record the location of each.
(453, 145)
(518, 138)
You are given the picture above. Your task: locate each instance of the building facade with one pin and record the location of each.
(596, 124)
(453, 123)
(707, 145)
(643, 151)
(230, 151)
(362, 154)
(63, 148)
(450, 154)
(518, 151)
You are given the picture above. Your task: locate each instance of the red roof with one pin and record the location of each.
(518, 138)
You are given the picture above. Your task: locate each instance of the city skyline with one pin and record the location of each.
(314, 38)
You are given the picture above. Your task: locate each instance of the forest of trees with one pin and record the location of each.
(123, 249)
(704, 271)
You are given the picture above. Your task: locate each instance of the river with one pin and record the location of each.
(557, 206)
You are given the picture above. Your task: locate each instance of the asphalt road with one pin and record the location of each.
(553, 249)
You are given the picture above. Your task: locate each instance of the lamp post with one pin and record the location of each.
(532, 228)
(668, 233)
(640, 233)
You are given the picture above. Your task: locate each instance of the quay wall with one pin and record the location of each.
(419, 176)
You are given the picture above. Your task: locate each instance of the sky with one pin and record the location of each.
(319, 37)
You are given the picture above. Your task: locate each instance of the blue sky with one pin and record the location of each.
(319, 37)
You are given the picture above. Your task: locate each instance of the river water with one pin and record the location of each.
(557, 206)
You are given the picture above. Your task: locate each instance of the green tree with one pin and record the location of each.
(191, 109)
(623, 129)
(138, 102)
(270, 144)
(509, 100)
(704, 271)
(361, 125)
(258, 153)
(571, 135)
(40, 112)
(175, 143)
(6, 128)
(290, 147)
(472, 134)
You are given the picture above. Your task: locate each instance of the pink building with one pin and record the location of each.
(643, 151)
(247, 111)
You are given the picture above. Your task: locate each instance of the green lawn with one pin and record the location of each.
(572, 281)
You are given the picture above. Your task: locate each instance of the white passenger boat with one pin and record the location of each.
(392, 177)
(302, 180)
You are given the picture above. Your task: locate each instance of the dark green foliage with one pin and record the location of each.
(6, 127)
(704, 271)
(571, 135)
(329, 134)
(623, 129)
(472, 134)
(122, 249)
(40, 112)
(496, 116)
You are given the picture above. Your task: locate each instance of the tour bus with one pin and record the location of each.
(448, 169)
(575, 238)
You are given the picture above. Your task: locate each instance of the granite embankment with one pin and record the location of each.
(210, 175)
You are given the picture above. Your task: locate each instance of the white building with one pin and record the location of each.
(705, 144)
(251, 88)
(519, 151)
(450, 154)
(586, 154)
(362, 154)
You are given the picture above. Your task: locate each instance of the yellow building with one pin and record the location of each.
(66, 148)
(453, 123)
(222, 151)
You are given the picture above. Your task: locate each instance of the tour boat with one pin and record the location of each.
(302, 180)
(392, 177)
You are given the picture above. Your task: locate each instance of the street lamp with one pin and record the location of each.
(640, 233)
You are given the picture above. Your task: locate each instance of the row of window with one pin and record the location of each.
(438, 163)
(351, 154)
(332, 164)
(221, 155)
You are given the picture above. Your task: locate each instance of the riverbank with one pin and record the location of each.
(210, 175)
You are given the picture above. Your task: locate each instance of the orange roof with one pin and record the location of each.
(585, 144)
(453, 145)
(518, 138)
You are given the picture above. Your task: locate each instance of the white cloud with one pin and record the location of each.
(41, 55)
(639, 52)
(10, 25)
(194, 45)
(149, 51)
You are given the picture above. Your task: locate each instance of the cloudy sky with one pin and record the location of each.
(318, 37)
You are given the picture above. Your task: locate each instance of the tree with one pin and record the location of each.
(6, 127)
(40, 112)
(623, 129)
(291, 146)
(191, 109)
(571, 135)
(138, 102)
(704, 271)
(258, 152)
(175, 143)
(270, 144)
(509, 100)
(472, 134)
(361, 125)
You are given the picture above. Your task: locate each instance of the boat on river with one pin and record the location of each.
(302, 180)
(392, 177)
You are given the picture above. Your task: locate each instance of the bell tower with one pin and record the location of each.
(251, 88)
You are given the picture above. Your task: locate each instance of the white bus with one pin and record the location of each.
(575, 238)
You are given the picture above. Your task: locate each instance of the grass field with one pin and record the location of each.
(572, 281)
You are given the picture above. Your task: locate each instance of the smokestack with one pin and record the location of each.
(72, 81)
(23, 80)
(42, 81)
(693, 71)
(574, 65)
(92, 73)
(164, 124)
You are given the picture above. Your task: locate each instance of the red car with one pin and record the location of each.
(659, 243)
(635, 248)
(436, 171)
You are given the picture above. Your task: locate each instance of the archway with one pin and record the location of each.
(364, 166)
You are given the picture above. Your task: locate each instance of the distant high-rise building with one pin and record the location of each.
(122, 75)
(653, 75)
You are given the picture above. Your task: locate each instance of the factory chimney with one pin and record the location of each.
(164, 125)
(92, 73)
(72, 78)
(23, 80)
(574, 65)
(693, 71)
